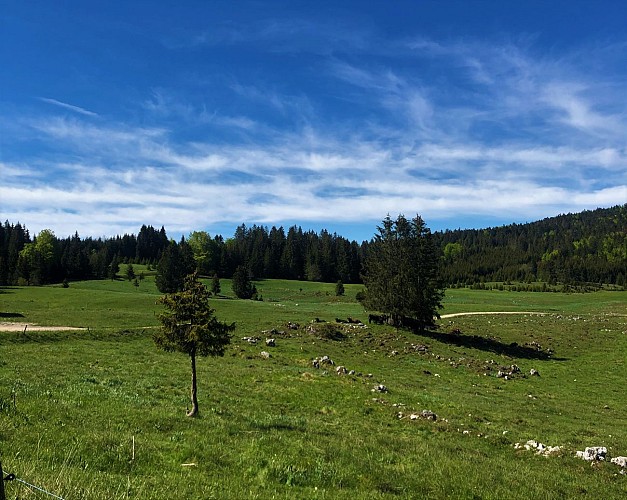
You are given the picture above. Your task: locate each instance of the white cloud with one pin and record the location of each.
(500, 133)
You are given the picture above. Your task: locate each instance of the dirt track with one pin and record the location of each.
(452, 315)
(19, 327)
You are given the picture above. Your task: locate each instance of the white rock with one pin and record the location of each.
(596, 453)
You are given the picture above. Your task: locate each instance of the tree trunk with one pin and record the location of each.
(194, 411)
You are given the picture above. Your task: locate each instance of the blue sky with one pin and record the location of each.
(200, 115)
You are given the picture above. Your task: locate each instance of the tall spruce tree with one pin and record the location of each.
(171, 269)
(401, 273)
(242, 287)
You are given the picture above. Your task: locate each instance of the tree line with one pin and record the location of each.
(587, 247)
(265, 253)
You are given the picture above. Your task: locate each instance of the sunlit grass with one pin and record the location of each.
(101, 413)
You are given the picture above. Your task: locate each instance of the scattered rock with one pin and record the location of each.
(424, 414)
(420, 348)
(508, 372)
(428, 414)
(538, 448)
(324, 360)
(593, 453)
(273, 331)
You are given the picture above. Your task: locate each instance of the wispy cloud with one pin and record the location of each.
(70, 107)
(443, 128)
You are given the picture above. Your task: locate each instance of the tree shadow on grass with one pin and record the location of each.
(278, 423)
(513, 350)
(51, 337)
(11, 315)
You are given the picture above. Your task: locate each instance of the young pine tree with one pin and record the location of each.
(189, 326)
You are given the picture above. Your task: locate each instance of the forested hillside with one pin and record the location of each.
(588, 247)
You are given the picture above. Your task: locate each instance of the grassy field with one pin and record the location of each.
(100, 413)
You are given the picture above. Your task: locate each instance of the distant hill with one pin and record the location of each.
(586, 247)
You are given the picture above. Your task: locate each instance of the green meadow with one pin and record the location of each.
(99, 413)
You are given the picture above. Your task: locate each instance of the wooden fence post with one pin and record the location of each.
(2, 495)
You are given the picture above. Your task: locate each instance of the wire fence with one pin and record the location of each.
(13, 477)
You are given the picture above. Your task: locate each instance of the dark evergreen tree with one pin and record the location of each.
(241, 283)
(98, 262)
(150, 244)
(401, 273)
(130, 272)
(114, 267)
(171, 270)
(187, 257)
(215, 285)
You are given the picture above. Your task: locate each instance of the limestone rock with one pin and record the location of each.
(593, 453)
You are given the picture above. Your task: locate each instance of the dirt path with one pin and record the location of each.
(452, 315)
(31, 327)
(19, 327)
